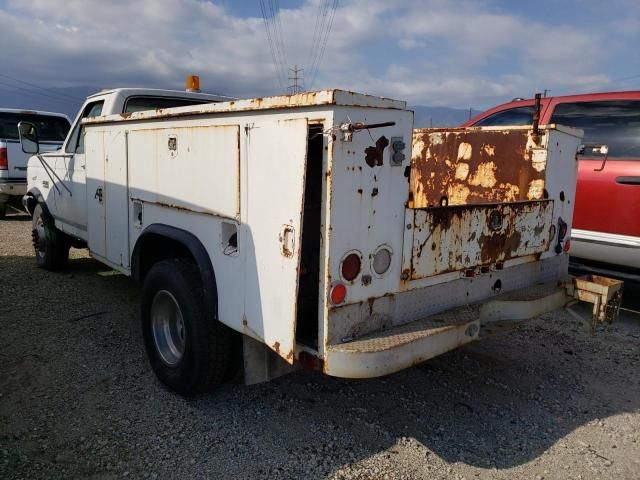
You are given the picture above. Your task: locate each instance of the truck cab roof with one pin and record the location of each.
(32, 112)
(156, 92)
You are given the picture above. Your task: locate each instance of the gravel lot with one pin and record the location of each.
(77, 398)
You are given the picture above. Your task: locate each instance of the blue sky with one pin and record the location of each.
(456, 53)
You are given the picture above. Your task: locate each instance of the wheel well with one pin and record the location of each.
(30, 203)
(154, 247)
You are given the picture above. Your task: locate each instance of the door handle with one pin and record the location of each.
(628, 180)
(287, 239)
(98, 194)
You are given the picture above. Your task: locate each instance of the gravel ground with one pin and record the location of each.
(77, 398)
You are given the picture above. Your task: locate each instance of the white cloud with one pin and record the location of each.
(440, 52)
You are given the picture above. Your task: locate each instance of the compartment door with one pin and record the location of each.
(274, 196)
(107, 198)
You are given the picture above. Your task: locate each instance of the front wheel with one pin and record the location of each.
(189, 350)
(51, 248)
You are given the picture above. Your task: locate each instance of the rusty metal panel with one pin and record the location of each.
(447, 239)
(465, 166)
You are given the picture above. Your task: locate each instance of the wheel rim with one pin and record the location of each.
(40, 240)
(167, 326)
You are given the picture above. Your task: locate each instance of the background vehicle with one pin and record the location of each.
(606, 226)
(52, 129)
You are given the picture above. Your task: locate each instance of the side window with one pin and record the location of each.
(513, 116)
(76, 140)
(613, 123)
(140, 104)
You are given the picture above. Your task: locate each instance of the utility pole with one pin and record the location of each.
(545, 92)
(297, 81)
(469, 113)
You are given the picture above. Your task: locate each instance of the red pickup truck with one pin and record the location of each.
(606, 224)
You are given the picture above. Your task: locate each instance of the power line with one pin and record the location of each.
(317, 41)
(33, 92)
(277, 22)
(39, 87)
(334, 6)
(271, 46)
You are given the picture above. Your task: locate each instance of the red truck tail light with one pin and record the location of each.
(350, 267)
(337, 293)
(4, 161)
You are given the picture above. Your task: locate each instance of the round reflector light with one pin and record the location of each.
(338, 293)
(350, 267)
(381, 260)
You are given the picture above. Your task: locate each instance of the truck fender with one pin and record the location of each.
(193, 245)
(32, 198)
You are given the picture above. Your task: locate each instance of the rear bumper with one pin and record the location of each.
(11, 187)
(395, 349)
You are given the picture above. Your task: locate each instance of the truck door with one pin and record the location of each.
(608, 193)
(107, 197)
(276, 162)
(70, 202)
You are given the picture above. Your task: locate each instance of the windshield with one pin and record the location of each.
(50, 128)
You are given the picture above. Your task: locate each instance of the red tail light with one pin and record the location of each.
(350, 267)
(4, 161)
(567, 245)
(338, 293)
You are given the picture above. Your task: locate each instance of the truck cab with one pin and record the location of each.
(57, 179)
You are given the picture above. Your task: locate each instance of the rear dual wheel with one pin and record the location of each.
(188, 348)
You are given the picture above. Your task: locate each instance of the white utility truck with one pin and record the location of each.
(316, 230)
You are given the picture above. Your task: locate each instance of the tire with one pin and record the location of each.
(188, 348)
(51, 248)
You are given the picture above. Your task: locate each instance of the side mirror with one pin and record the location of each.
(28, 138)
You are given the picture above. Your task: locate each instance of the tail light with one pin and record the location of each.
(567, 246)
(350, 267)
(4, 161)
(337, 293)
(381, 260)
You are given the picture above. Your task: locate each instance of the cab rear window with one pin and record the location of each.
(140, 104)
(50, 128)
(613, 123)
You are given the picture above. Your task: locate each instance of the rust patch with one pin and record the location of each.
(475, 166)
(276, 347)
(374, 156)
(465, 237)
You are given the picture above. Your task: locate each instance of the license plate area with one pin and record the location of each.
(462, 237)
